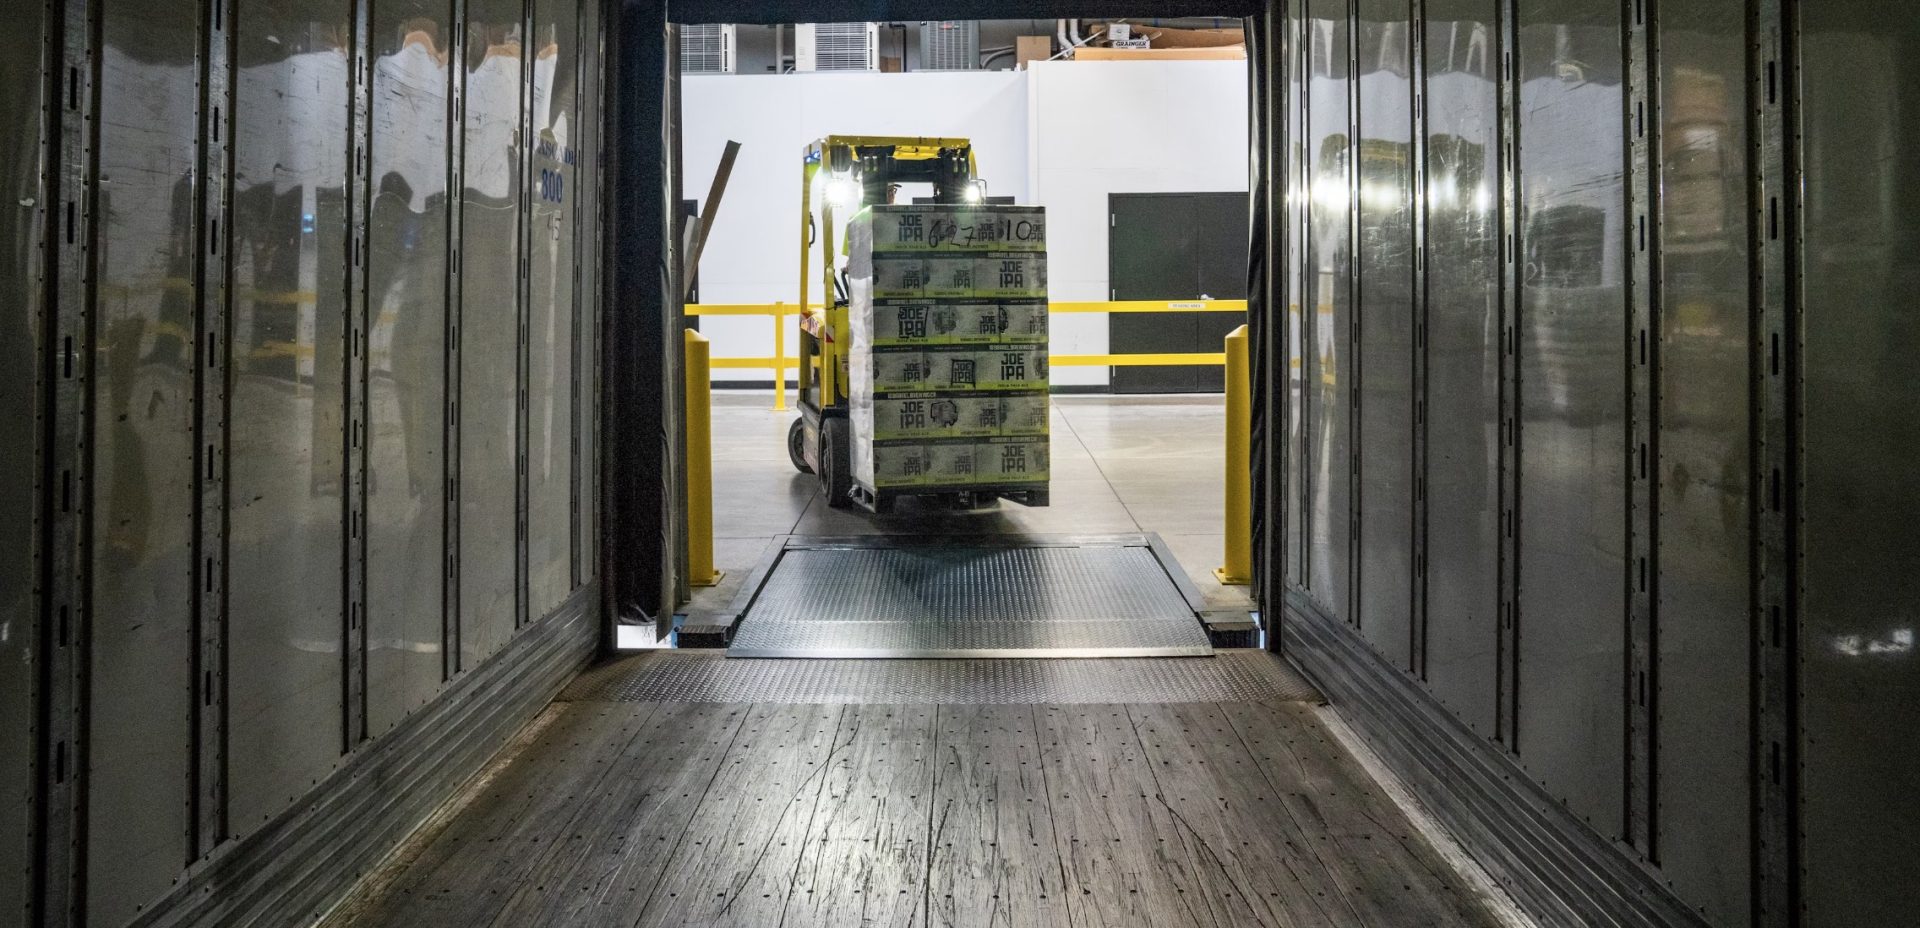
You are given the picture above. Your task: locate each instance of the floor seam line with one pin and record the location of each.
(1053, 822)
(933, 796)
(813, 814)
(1181, 825)
(1241, 736)
(584, 807)
(1101, 471)
(685, 827)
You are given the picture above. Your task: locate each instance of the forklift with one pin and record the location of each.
(854, 173)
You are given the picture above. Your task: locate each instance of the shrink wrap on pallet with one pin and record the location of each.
(947, 354)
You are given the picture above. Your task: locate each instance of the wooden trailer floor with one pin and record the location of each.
(954, 804)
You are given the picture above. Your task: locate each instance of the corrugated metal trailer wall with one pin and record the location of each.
(300, 342)
(1597, 500)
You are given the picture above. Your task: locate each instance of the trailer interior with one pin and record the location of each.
(380, 549)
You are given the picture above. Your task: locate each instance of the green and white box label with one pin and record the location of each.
(1014, 275)
(897, 275)
(895, 370)
(937, 415)
(1011, 460)
(959, 228)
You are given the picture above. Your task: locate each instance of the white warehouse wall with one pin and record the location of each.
(752, 254)
(1105, 127)
(1062, 135)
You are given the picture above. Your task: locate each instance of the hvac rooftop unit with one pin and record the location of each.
(949, 45)
(836, 47)
(707, 48)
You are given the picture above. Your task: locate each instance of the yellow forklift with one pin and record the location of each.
(852, 173)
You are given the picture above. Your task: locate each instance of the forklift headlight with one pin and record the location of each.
(843, 193)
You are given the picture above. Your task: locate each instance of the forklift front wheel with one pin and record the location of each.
(836, 471)
(797, 447)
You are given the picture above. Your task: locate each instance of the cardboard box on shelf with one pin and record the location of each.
(1031, 48)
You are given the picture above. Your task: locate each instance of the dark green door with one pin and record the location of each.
(1174, 246)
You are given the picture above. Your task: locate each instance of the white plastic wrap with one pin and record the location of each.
(947, 348)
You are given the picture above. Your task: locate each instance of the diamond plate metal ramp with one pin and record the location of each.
(977, 597)
(1231, 675)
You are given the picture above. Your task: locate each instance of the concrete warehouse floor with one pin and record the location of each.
(1120, 464)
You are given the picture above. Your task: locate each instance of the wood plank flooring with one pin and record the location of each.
(1173, 814)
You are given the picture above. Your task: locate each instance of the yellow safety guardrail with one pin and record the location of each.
(780, 362)
(1238, 566)
(1147, 306)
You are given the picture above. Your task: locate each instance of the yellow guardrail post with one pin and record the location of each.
(699, 461)
(1239, 528)
(779, 357)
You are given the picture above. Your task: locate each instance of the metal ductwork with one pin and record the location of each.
(708, 48)
(949, 45)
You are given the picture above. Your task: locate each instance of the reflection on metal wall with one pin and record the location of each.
(489, 268)
(587, 212)
(1328, 306)
(1293, 208)
(1462, 361)
(411, 43)
(23, 198)
(1572, 402)
(143, 438)
(1859, 670)
(1383, 498)
(287, 443)
(291, 333)
(554, 182)
(1548, 288)
(1704, 527)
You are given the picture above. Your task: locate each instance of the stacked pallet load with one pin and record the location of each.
(948, 364)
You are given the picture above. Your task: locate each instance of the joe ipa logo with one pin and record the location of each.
(911, 231)
(1013, 365)
(913, 322)
(1013, 274)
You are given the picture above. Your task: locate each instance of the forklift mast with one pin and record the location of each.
(859, 171)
